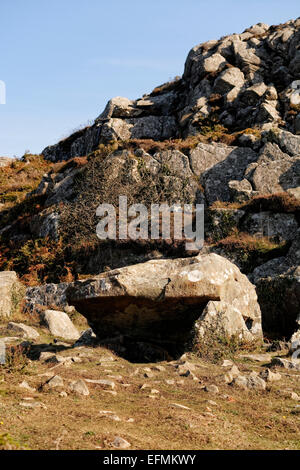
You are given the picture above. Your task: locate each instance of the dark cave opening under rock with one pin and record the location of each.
(144, 330)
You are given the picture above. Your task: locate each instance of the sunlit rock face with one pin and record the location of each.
(170, 302)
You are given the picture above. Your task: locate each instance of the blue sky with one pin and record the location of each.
(62, 60)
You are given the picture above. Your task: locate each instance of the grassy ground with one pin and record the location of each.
(147, 416)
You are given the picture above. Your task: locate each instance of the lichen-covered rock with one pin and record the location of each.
(280, 226)
(162, 301)
(213, 63)
(118, 107)
(11, 293)
(267, 112)
(248, 83)
(79, 387)
(251, 382)
(229, 79)
(270, 376)
(247, 70)
(295, 343)
(220, 222)
(254, 93)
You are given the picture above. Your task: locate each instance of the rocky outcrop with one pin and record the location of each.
(217, 165)
(11, 293)
(245, 80)
(170, 302)
(274, 171)
(45, 224)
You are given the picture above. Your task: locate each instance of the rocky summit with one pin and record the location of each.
(170, 302)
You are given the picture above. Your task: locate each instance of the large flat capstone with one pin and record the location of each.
(168, 301)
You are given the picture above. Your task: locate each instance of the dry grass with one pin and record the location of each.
(237, 420)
